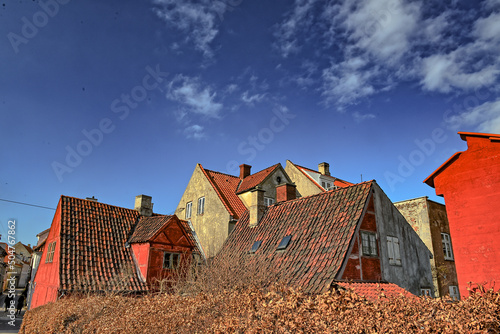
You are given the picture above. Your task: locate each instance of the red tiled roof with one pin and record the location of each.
(255, 179)
(375, 291)
(147, 227)
(92, 247)
(226, 185)
(321, 228)
(337, 182)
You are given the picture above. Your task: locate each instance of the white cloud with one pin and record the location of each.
(194, 131)
(199, 20)
(483, 118)
(488, 28)
(193, 97)
(251, 99)
(359, 117)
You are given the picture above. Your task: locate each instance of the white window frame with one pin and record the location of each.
(369, 243)
(393, 251)
(454, 292)
(189, 209)
(201, 205)
(447, 248)
(426, 292)
(268, 201)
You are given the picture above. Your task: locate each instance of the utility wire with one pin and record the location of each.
(36, 206)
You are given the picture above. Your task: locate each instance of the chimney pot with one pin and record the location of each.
(244, 171)
(143, 205)
(324, 168)
(286, 192)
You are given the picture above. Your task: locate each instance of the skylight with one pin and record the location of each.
(284, 242)
(255, 246)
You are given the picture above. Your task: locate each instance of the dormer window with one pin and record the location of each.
(255, 246)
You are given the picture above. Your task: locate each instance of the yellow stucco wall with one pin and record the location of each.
(305, 187)
(212, 227)
(269, 186)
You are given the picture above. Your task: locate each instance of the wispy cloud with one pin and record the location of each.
(483, 118)
(359, 117)
(197, 20)
(193, 96)
(374, 45)
(252, 99)
(194, 131)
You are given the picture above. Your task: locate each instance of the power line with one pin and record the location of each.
(36, 206)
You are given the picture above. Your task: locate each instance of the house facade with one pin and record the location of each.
(35, 261)
(352, 233)
(469, 181)
(94, 247)
(213, 202)
(310, 182)
(430, 221)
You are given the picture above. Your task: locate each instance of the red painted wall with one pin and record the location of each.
(360, 267)
(471, 189)
(47, 278)
(140, 252)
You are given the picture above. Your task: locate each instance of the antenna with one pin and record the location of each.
(361, 177)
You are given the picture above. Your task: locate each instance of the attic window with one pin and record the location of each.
(284, 242)
(255, 246)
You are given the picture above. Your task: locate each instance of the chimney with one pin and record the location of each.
(143, 205)
(244, 171)
(285, 192)
(324, 168)
(93, 199)
(257, 206)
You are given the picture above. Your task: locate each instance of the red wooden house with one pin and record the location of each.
(349, 234)
(470, 184)
(95, 247)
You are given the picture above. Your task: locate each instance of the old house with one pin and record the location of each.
(213, 202)
(469, 181)
(35, 261)
(429, 220)
(310, 182)
(351, 233)
(19, 255)
(94, 247)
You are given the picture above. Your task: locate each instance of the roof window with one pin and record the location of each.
(255, 246)
(284, 242)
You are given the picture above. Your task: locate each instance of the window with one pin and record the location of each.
(284, 242)
(189, 206)
(447, 250)
(255, 246)
(393, 250)
(268, 201)
(50, 252)
(201, 205)
(171, 260)
(454, 293)
(369, 243)
(426, 292)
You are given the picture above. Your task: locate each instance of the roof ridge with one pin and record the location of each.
(219, 192)
(102, 203)
(214, 171)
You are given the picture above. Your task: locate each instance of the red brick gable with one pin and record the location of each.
(321, 227)
(93, 252)
(254, 180)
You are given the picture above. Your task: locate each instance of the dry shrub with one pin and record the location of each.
(236, 298)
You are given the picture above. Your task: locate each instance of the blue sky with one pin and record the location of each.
(114, 99)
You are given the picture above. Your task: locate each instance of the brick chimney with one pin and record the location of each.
(324, 168)
(143, 205)
(257, 206)
(244, 171)
(285, 192)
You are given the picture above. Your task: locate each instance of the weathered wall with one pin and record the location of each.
(47, 278)
(305, 187)
(212, 227)
(414, 272)
(471, 188)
